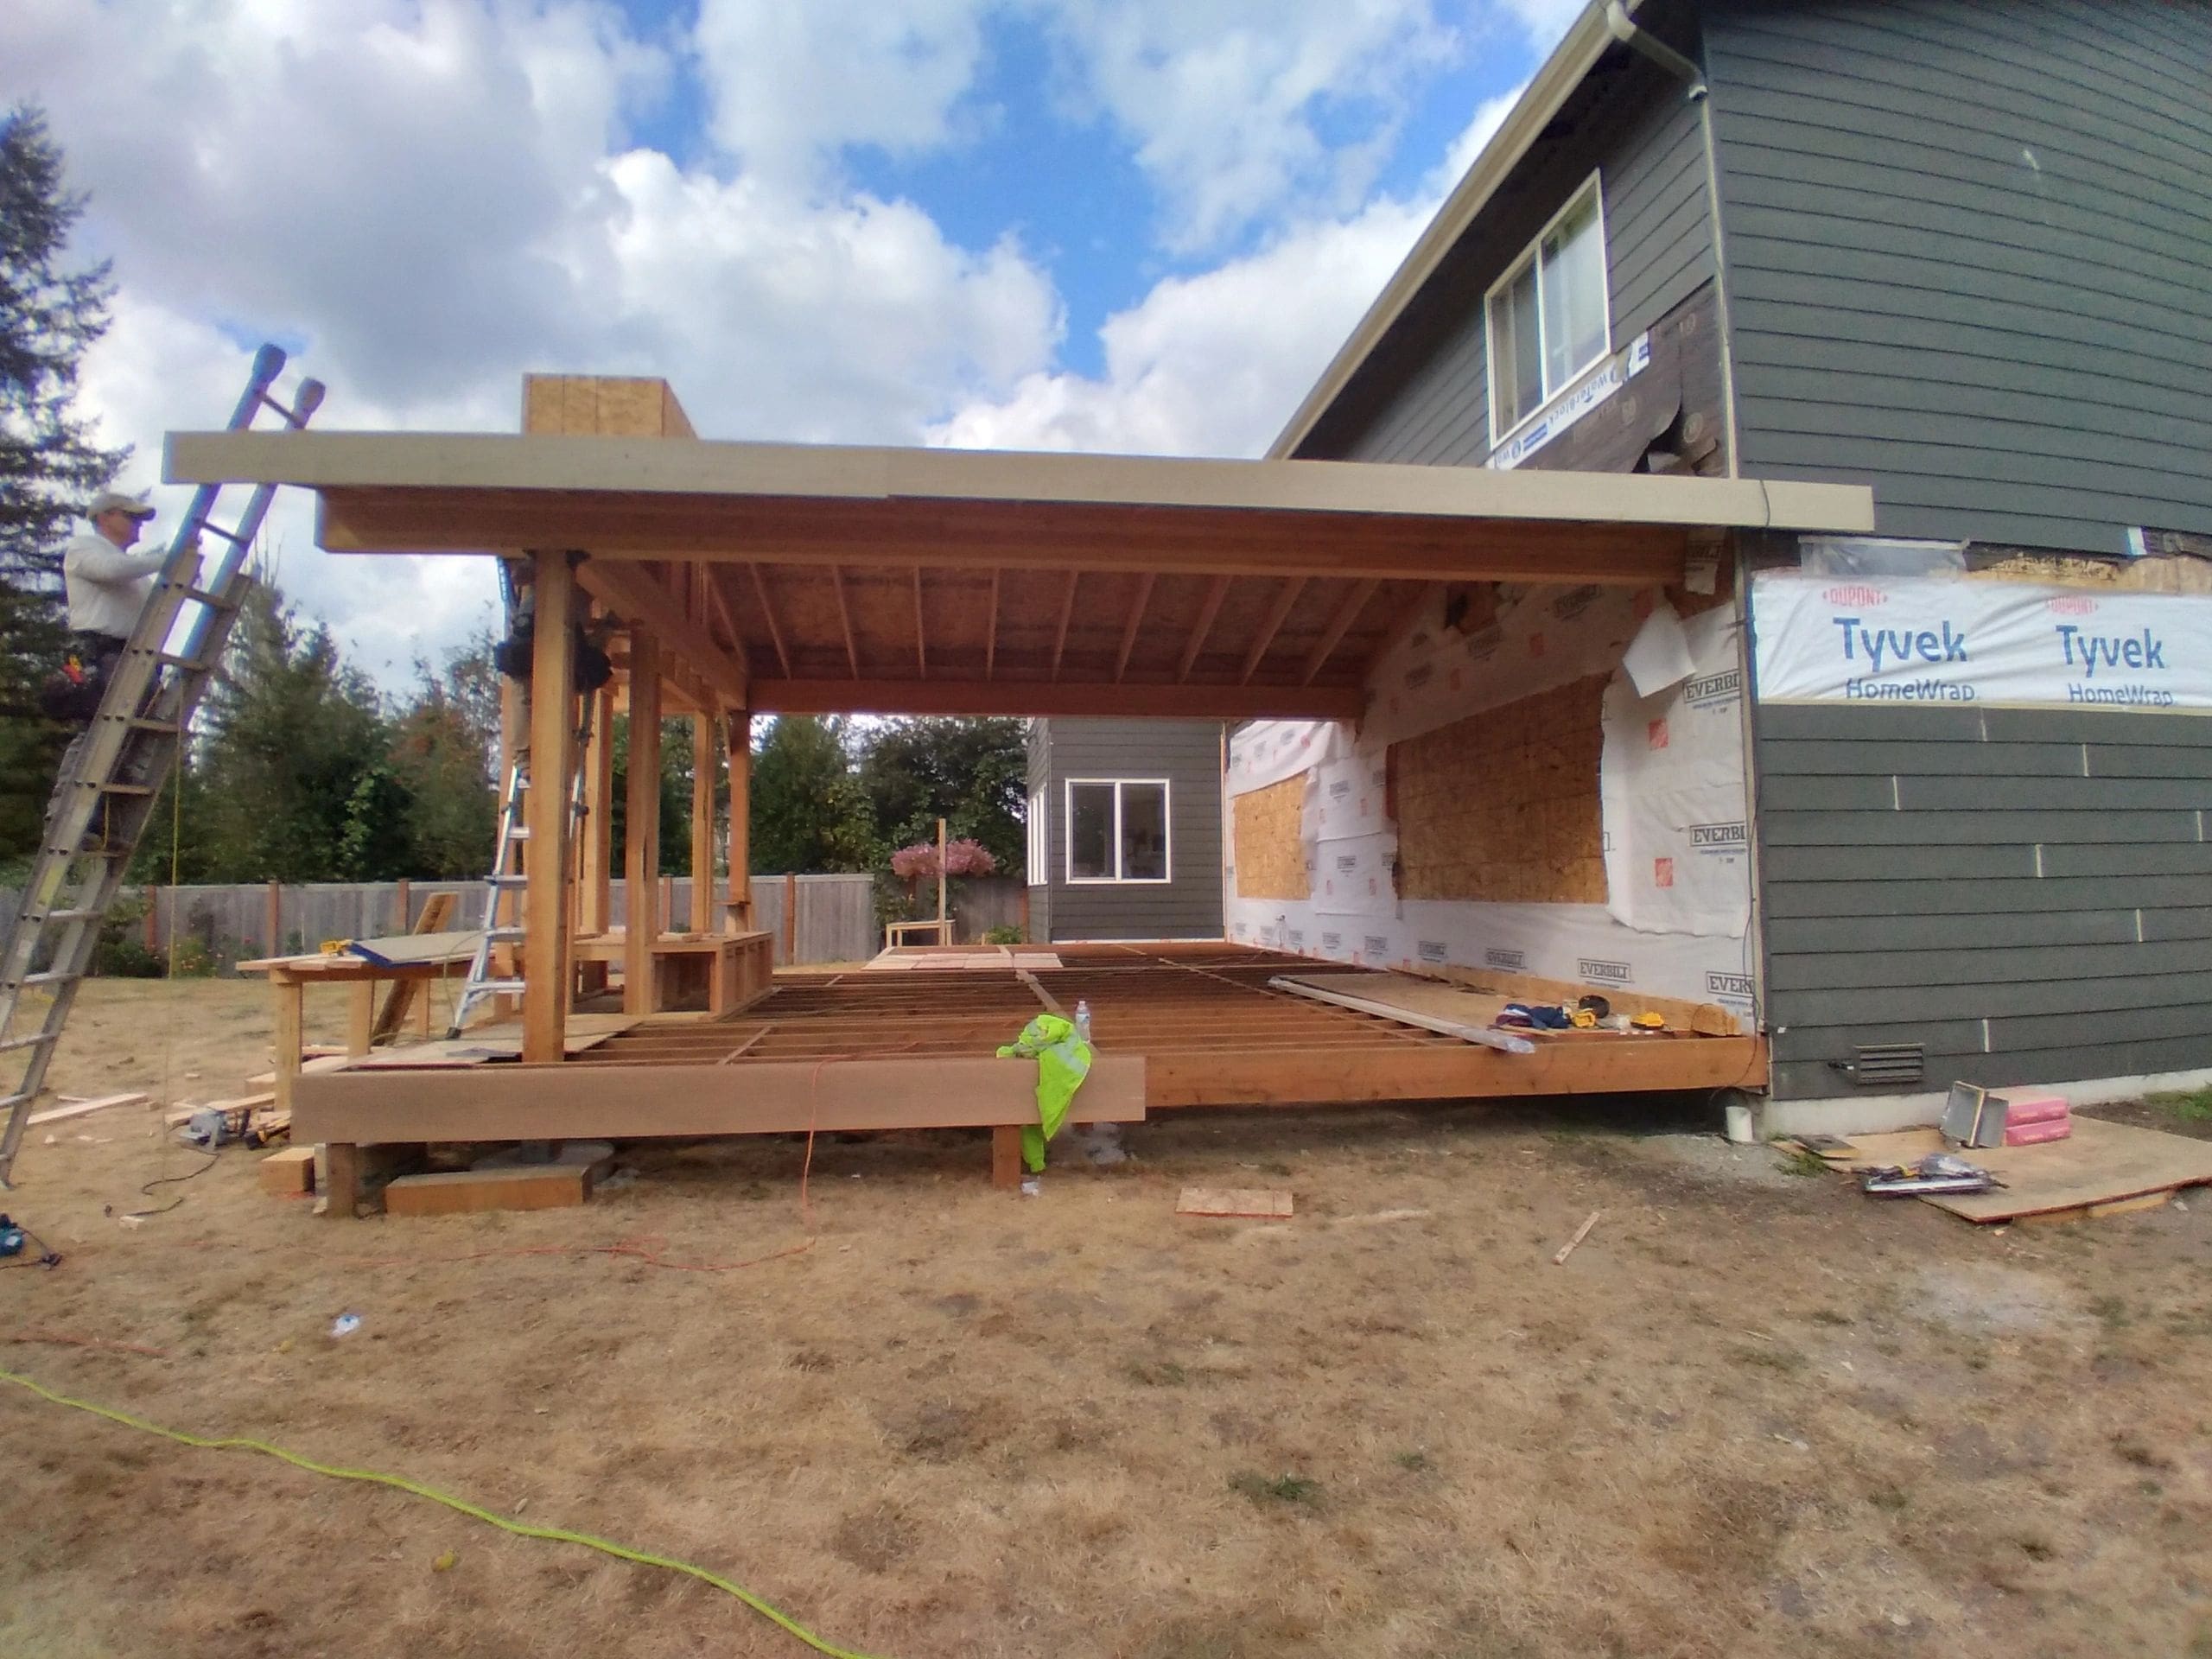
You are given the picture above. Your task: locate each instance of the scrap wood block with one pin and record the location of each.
(536, 1186)
(287, 1173)
(1266, 1202)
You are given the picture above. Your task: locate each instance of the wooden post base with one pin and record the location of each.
(1006, 1156)
(342, 1180)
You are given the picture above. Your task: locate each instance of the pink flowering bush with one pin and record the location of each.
(962, 857)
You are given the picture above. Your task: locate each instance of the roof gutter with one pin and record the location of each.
(1587, 40)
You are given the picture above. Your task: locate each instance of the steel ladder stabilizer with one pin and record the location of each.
(116, 769)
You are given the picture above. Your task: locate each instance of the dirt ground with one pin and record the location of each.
(1754, 1413)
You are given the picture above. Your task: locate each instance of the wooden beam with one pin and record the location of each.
(641, 828)
(1340, 620)
(845, 621)
(921, 630)
(583, 1100)
(718, 602)
(1136, 620)
(1004, 696)
(737, 734)
(1272, 626)
(595, 859)
(552, 757)
(1067, 614)
(705, 756)
(768, 616)
(623, 527)
(991, 627)
(638, 598)
(1217, 590)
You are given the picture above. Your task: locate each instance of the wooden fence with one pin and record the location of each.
(835, 920)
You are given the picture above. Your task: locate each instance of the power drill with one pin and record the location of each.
(13, 1238)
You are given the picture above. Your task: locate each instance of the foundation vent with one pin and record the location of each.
(1889, 1066)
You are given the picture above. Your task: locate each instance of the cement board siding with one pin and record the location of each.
(2027, 894)
(1424, 395)
(1968, 259)
(1187, 754)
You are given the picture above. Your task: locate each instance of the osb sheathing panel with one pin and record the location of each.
(584, 405)
(1270, 847)
(1503, 807)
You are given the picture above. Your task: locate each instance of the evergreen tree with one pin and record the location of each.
(972, 773)
(809, 814)
(50, 465)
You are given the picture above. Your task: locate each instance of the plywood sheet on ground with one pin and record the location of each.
(2100, 1163)
(1265, 1203)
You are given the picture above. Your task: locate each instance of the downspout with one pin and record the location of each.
(1624, 30)
(1648, 45)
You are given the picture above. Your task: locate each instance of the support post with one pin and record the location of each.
(703, 760)
(942, 937)
(641, 826)
(1006, 1156)
(552, 743)
(403, 907)
(790, 918)
(506, 908)
(738, 736)
(595, 859)
(289, 999)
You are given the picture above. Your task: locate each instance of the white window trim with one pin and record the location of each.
(1168, 823)
(1039, 849)
(1595, 189)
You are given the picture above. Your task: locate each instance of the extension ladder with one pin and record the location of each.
(109, 780)
(506, 875)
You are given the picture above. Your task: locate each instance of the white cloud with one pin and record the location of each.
(796, 81)
(1240, 108)
(1544, 21)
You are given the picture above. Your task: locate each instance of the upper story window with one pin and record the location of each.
(1548, 315)
(1118, 829)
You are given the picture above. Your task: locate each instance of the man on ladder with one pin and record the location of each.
(107, 585)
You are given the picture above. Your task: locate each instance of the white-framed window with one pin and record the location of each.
(1549, 317)
(1040, 845)
(1118, 829)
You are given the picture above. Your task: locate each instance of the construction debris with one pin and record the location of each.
(1268, 1204)
(1580, 1233)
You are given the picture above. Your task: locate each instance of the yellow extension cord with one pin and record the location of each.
(521, 1529)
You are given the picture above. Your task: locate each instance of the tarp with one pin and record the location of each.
(1926, 640)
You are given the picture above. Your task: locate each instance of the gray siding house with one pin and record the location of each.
(1959, 251)
(1124, 830)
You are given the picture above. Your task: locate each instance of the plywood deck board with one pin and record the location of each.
(2100, 1163)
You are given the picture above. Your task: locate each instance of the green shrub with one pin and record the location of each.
(1004, 934)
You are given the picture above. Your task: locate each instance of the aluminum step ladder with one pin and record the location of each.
(115, 771)
(507, 875)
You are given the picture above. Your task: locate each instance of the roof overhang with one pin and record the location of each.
(807, 577)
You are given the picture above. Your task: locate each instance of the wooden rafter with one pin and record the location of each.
(991, 627)
(1340, 622)
(718, 603)
(921, 630)
(845, 621)
(768, 616)
(1065, 697)
(1216, 592)
(1129, 629)
(1067, 615)
(1272, 626)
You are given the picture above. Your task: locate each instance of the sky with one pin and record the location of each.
(1119, 225)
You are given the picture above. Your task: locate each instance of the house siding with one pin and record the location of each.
(1424, 394)
(1966, 258)
(2026, 892)
(1188, 754)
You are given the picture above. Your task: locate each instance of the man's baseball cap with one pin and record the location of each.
(116, 501)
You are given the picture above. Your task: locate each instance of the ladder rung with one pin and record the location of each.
(8, 1103)
(114, 788)
(213, 601)
(495, 987)
(50, 977)
(170, 659)
(506, 881)
(503, 932)
(143, 723)
(36, 1040)
(80, 915)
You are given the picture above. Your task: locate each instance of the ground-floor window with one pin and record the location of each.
(1118, 829)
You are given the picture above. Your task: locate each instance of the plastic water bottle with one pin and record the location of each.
(1082, 1019)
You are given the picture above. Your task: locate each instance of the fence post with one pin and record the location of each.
(403, 907)
(153, 920)
(272, 917)
(790, 918)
